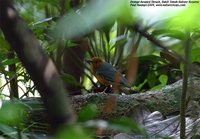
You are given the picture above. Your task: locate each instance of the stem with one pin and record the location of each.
(13, 80)
(184, 89)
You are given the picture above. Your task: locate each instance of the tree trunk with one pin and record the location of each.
(38, 65)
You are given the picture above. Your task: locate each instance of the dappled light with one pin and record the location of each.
(181, 22)
(49, 70)
(11, 13)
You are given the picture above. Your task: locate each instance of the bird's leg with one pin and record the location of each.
(105, 90)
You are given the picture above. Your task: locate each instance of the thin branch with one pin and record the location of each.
(152, 39)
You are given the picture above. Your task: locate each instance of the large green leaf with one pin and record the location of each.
(95, 14)
(186, 19)
(177, 34)
(12, 113)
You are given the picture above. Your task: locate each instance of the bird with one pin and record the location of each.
(106, 74)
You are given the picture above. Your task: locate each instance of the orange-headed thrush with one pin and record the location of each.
(105, 73)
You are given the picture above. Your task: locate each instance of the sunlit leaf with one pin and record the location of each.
(187, 19)
(163, 79)
(43, 21)
(157, 87)
(10, 61)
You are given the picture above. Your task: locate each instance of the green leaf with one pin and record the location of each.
(177, 34)
(163, 79)
(9, 131)
(10, 61)
(192, 13)
(69, 79)
(95, 14)
(12, 113)
(74, 132)
(139, 87)
(125, 124)
(87, 113)
(71, 44)
(150, 59)
(158, 87)
(195, 55)
(152, 79)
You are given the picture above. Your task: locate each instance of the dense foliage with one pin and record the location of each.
(150, 55)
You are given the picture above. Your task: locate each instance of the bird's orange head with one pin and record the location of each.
(95, 62)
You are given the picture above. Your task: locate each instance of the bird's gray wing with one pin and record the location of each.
(109, 73)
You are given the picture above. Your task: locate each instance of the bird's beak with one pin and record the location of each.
(88, 61)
